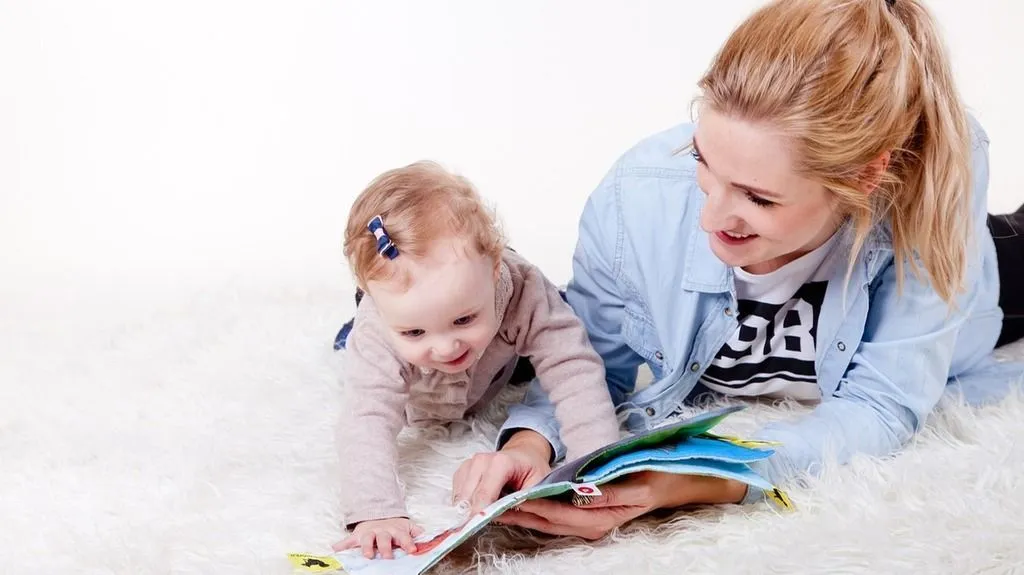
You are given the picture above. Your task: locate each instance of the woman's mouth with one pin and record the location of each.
(734, 239)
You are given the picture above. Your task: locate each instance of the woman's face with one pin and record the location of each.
(760, 213)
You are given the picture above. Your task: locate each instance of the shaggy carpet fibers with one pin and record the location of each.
(189, 430)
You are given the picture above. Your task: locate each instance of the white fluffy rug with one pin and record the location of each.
(191, 432)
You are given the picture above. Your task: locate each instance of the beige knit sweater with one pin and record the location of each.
(386, 393)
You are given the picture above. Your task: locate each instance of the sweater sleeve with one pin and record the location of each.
(375, 396)
(568, 369)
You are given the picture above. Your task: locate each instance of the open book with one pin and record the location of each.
(686, 447)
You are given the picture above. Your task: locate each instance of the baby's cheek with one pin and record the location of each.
(484, 333)
(409, 353)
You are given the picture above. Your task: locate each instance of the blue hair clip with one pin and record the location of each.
(384, 245)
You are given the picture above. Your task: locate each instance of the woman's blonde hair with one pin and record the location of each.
(847, 81)
(419, 204)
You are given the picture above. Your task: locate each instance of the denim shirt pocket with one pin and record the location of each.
(639, 334)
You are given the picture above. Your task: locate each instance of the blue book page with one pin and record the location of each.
(665, 434)
(707, 467)
(691, 448)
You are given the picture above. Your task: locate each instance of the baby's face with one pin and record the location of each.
(444, 318)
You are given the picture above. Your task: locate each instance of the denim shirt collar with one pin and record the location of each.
(704, 272)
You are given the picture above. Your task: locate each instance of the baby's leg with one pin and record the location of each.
(342, 338)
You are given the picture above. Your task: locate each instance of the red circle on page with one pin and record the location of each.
(586, 490)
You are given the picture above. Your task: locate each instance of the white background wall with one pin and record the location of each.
(174, 141)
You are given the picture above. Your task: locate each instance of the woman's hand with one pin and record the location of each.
(622, 502)
(521, 463)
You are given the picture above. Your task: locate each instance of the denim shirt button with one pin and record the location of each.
(695, 367)
(728, 311)
(650, 411)
(659, 356)
(841, 346)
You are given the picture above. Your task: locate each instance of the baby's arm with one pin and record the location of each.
(569, 370)
(373, 414)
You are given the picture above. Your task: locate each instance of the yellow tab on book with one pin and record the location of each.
(751, 443)
(314, 563)
(780, 499)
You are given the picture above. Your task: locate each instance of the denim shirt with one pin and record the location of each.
(649, 290)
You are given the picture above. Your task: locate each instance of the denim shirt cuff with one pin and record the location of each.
(754, 495)
(548, 431)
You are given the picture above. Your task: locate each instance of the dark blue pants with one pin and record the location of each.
(1008, 234)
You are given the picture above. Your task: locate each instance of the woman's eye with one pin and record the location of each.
(412, 333)
(759, 201)
(465, 320)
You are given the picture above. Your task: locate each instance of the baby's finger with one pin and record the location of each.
(384, 544)
(366, 542)
(403, 539)
(346, 543)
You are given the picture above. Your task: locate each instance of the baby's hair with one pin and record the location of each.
(419, 204)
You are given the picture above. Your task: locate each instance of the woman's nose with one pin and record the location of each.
(717, 214)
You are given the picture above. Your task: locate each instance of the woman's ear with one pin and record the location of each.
(874, 172)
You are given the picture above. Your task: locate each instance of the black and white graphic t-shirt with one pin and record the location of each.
(772, 352)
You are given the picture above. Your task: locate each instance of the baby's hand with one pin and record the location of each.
(382, 534)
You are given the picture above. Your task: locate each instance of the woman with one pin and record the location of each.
(819, 234)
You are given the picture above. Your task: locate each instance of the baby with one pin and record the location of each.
(447, 312)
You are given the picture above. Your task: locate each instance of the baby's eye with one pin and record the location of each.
(412, 333)
(465, 320)
(696, 156)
